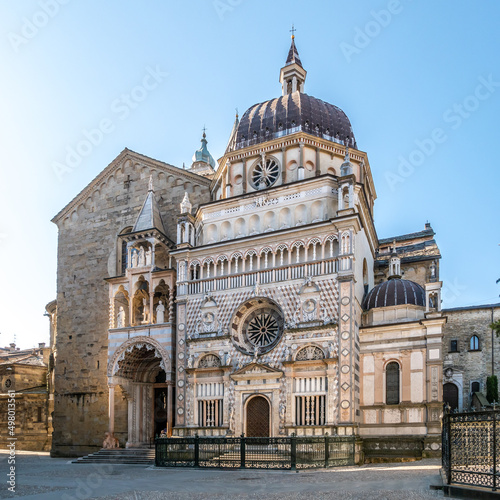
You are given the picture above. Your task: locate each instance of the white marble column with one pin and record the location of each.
(111, 408)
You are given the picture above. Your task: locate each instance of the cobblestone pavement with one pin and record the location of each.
(39, 477)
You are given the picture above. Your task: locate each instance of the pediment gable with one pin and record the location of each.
(257, 370)
(120, 162)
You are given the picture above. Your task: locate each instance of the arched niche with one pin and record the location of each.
(254, 224)
(317, 211)
(226, 232)
(161, 311)
(240, 229)
(300, 215)
(121, 308)
(285, 218)
(140, 303)
(269, 221)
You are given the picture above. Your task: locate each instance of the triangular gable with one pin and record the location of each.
(125, 155)
(253, 368)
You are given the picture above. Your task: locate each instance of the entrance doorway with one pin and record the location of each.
(450, 395)
(258, 417)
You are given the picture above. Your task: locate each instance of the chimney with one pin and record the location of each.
(12, 347)
(41, 345)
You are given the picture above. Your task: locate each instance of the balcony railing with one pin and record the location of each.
(260, 277)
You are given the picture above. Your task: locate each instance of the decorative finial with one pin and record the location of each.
(186, 205)
(150, 183)
(293, 30)
(204, 130)
(236, 113)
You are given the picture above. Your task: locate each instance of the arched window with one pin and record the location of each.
(475, 387)
(392, 383)
(474, 343)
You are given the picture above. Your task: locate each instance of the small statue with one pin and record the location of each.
(110, 441)
(148, 256)
(134, 258)
(145, 311)
(160, 312)
(142, 257)
(332, 349)
(282, 411)
(256, 350)
(228, 359)
(120, 318)
(190, 362)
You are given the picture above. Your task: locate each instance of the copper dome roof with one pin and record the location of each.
(288, 114)
(395, 292)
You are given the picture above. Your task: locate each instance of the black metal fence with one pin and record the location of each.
(470, 448)
(256, 453)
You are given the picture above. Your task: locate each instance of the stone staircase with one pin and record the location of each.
(135, 456)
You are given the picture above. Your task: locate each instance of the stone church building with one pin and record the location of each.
(250, 295)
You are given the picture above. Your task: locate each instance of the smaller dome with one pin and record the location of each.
(395, 292)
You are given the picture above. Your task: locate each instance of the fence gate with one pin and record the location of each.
(255, 452)
(470, 448)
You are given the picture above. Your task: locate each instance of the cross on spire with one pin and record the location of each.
(292, 31)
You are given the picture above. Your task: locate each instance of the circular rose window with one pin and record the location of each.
(264, 175)
(258, 324)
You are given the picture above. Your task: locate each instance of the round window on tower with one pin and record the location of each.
(265, 174)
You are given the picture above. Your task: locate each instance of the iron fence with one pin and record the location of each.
(255, 453)
(470, 448)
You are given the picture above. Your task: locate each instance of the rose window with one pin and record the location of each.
(262, 330)
(257, 326)
(264, 175)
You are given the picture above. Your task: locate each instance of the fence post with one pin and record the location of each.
(293, 451)
(196, 450)
(242, 451)
(448, 437)
(327, 449)
(494, 447)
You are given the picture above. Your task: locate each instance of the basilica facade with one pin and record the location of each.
(246, 296)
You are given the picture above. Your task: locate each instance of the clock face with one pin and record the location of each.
(8, 383)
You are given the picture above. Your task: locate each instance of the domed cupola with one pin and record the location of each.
(293, 112)
(395, 291)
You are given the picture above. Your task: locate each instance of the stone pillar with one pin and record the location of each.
(340, 199)
(300, 172)
(283, 165)
(170, 304)
(244, 181)
(170, 406)
(318, 169)
(111, 408)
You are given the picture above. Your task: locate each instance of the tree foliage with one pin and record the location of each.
(492, 389)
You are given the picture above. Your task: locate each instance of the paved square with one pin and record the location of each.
(40, 477)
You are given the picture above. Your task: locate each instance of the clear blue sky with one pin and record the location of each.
(402, 76)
